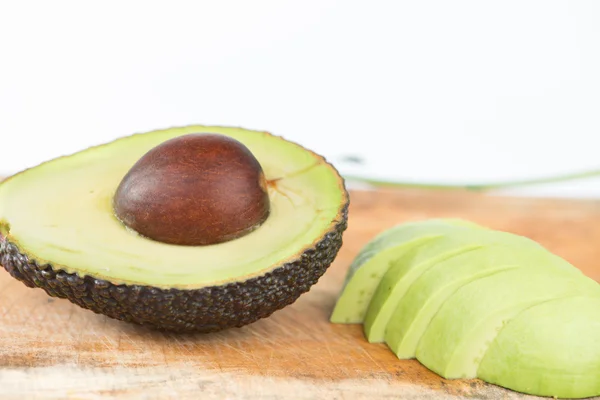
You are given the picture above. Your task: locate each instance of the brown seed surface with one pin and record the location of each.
(196, 189)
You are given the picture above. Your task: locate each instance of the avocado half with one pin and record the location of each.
(58, 232)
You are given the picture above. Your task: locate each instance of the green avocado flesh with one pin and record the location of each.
(478, 303)
(431, 290)
(60, 215)
(459, 334)
(552, 349)
(402, 274)
(376, 256)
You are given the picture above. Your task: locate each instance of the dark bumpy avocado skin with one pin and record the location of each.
(208, 309)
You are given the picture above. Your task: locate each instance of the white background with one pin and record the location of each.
(422, 91)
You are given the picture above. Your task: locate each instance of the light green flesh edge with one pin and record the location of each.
(552, 349)
(401, 275)
(428, 293)
(374, 259)
(61, 212)
(460, 333)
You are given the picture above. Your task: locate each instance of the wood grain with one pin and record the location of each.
(50, 348)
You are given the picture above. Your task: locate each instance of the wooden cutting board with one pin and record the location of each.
(50, 348)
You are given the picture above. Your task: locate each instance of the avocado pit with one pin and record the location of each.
(195, 189)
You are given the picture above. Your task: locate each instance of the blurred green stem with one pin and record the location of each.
(476, 187)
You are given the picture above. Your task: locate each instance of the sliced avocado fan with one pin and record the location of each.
(479, 303)
(58, 232)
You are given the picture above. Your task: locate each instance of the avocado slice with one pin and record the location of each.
(58, 232)
(429, 292)
(551, 349)
(401, 275)
(459, 334)
(375, 257)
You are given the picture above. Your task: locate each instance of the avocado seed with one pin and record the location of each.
(196, 189)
